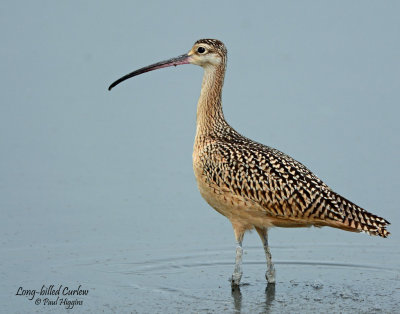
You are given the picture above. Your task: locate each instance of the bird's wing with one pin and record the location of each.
(285, 188)
(282, 186)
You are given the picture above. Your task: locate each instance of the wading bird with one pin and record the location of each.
(253, 185)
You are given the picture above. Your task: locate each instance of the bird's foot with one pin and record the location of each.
(235, 280)
(270, 275)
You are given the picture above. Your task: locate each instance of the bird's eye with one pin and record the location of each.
(201, 50)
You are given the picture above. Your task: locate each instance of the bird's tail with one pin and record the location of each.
(359, 220)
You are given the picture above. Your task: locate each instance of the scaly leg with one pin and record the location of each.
(237, 273)
(270, 274)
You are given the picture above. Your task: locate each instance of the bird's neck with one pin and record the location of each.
(209, 107)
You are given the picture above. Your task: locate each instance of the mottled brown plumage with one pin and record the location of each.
(253, 185)
(278, 190)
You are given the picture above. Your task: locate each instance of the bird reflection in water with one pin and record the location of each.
(269, 298)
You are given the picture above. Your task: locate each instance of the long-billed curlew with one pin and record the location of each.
(253, 185)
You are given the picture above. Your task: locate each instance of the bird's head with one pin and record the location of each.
(205, 53)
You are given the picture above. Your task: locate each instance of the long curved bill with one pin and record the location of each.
(183, 59)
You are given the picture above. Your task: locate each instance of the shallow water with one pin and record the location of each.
(97, 189)
(190, 272)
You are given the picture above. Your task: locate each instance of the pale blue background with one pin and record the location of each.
(86, 174)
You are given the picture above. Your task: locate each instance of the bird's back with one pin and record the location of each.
(256, 185)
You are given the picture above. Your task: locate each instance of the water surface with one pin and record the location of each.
(97, 189)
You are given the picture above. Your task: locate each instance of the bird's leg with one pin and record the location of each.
(270, 274)
(237, 273)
